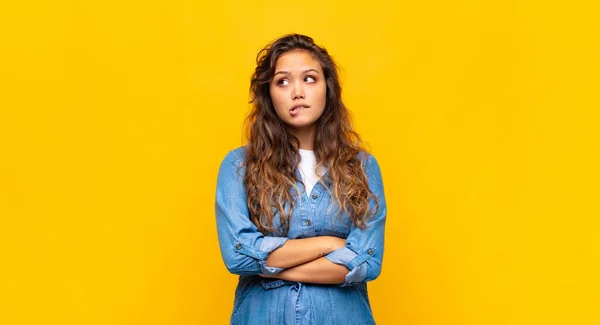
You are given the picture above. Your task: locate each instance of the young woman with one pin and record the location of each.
(300, 209)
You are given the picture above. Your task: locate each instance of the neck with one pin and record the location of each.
(306, 137)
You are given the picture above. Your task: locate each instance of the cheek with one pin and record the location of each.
(322, 94)
(278, 101)
(275, 96)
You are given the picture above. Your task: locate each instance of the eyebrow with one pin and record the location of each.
(287, 72)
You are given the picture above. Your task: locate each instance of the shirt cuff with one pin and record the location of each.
(268, 245)
(343, 256)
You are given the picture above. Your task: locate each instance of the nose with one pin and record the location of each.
(298, 91)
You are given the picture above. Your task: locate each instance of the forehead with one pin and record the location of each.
(297, 60)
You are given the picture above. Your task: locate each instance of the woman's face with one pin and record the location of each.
(298, 90)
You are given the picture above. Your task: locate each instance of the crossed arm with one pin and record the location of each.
(304, 261)
(321, 260)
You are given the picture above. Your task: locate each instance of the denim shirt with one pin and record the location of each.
(244, 250)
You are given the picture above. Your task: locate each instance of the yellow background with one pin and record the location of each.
(115, 115)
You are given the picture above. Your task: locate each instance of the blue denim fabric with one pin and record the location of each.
(244, 250)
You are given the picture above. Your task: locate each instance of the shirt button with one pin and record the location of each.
(238, 246)
(315, 196)
(370, 252)
(307, 222)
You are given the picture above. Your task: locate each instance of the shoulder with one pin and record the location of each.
(235, 156)
(232, 164)
(367, 159)
(370, 165)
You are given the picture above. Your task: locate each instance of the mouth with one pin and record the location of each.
(294, 110)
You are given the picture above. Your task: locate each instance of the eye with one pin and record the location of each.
(282, 82)
(310, 79)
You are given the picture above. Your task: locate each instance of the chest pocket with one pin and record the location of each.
(314, 214)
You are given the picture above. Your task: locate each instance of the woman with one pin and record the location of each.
(301, 208)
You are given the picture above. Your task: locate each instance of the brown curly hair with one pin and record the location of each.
(272, 154)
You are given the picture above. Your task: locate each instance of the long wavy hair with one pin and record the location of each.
(272, 154)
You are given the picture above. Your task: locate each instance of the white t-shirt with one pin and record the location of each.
(307, 169)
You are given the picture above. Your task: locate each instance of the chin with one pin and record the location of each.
(300, 125)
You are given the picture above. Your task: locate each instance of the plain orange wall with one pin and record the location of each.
(115, 115)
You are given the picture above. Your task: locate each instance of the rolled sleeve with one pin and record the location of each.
(363, 253)
(345, 256)
(244, 249)
(268, 245)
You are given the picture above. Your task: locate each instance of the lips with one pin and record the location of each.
(296, 108)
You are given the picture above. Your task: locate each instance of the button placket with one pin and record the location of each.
(315, 196)
(307, 218)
